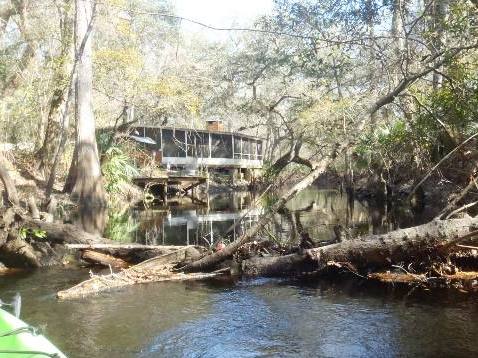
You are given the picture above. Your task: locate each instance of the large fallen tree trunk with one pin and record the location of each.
(26, 242)
(434, 239)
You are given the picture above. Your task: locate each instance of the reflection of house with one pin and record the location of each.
(215, 148)
(191, 227)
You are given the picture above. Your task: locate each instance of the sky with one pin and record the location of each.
(220, 13)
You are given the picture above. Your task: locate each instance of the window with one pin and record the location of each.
(174, 143)
(221, 145)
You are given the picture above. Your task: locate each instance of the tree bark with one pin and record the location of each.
(132, 253)
(88, 188)
(291, 156)
(33, 208)
(273, 265)
(439, 17)
(99, 258)
(414, 244)
(398, 26)
(52, 138)
(10, 189)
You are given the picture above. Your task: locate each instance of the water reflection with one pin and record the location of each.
(91, 219)
(226, 217)
(315, 211)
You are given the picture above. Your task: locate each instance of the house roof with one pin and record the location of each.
(202, 131)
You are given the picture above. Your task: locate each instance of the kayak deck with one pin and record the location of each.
(18, 339)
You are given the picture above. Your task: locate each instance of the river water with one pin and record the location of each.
(250, 318)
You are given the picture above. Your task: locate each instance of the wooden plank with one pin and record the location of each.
(122, 246)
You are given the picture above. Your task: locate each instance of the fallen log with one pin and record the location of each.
(434, 239)
(135, 253)
(116, 246)
(465, 281)
(99, 258)
(179, 255)
(157, 269)
(273, 265)
(132, 276)
(404, 245)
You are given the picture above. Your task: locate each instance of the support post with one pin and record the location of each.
(210, 146)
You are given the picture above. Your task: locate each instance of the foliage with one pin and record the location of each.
(120, 226)
(25, 233)
(117, 169)
(308, 73)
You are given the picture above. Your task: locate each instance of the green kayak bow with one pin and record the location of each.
(20, 340)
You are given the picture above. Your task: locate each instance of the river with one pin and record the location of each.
(251, 318)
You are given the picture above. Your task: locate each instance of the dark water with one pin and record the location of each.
(250, 318)
(228, 215)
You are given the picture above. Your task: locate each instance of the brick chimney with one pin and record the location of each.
(215, 125)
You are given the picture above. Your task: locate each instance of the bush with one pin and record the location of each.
(117, 169)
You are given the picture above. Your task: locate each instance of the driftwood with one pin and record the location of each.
(464, 281)
(116, 246)
(130, 277)
(273, 265)
(183, 254)
(135, 253)
(434, 239)
(103, 259)
(157, 269)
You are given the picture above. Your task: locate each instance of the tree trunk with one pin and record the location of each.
(411, 245)
(439, 10)
(398, 27)
(88, 188)
(274, 265)
(133, 253)
(10, 189)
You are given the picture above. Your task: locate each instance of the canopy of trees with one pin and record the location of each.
(372, 85)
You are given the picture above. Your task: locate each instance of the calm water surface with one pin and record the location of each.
(251, 318)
